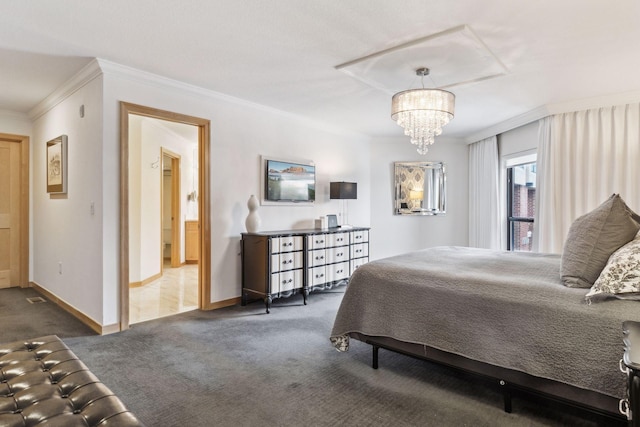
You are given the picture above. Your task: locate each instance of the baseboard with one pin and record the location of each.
(221, 304)
(191, 261)
(95, 326)
(145, 281)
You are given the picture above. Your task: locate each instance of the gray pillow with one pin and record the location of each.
(592, 239)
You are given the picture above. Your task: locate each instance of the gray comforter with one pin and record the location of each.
(508, 309)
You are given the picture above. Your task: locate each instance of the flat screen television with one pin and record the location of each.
(289, 181)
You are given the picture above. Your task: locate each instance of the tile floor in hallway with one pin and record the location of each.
(175, 292)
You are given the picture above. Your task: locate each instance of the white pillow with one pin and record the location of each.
(620, 277)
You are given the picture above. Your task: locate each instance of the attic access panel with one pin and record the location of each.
(455, 57)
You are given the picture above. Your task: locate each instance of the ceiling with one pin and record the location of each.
(502, 58)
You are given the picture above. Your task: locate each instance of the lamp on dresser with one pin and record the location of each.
(343, 191)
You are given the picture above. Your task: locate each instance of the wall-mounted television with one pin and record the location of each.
(288, 181)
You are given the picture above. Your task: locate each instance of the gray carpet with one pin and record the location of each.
(20, 319)
(241, 367)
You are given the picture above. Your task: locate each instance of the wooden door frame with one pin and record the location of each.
(204, 200)
(23, 280)
(175, 208)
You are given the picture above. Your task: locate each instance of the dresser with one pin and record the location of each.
(279, 264)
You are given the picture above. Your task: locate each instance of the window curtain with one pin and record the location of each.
(583, 158)
(485, 219)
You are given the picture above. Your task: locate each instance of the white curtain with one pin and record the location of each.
(583, 158)
(485, 218)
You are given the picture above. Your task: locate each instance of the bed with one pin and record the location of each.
(504, 315)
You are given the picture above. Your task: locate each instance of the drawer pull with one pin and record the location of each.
(319, 241)
(287, 262)
(340, 254)
(319, 257)
(319, 276)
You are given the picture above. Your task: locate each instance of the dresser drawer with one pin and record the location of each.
(316, 257)
(286, 261)
(337, 272)
(317, 241)
(286, 244)
(338, 254)
(316, 276)
(360, 250)
(359, 236)
(286, 281)
(337, 239)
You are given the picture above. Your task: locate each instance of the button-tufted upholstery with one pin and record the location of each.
(42, 383)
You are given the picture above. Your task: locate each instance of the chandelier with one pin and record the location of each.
(422, 112)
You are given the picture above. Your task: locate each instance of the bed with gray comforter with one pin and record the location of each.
(503, 309)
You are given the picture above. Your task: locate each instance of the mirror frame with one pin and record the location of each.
(434, 190)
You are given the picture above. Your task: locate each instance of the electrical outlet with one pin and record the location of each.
(59, 267)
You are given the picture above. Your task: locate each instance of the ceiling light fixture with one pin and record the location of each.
(422, 112)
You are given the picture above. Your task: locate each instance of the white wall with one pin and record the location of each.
(240, 133)
(64, 229)
(15, 123)
(395, 234)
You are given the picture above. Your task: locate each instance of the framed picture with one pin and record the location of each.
(57, 165)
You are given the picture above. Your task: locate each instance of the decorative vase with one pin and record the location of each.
(253, 219)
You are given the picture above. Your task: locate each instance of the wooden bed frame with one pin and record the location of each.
(509, 381)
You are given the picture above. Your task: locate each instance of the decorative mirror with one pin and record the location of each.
(420, 188)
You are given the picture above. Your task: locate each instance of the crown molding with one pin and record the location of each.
(512, 123)
(80, 79)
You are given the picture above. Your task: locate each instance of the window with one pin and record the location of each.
(521, 196)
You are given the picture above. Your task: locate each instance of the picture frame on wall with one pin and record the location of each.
(57, 165)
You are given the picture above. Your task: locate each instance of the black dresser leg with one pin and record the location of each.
(375, 357)
(507, 396)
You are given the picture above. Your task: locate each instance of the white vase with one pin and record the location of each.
(253, 219)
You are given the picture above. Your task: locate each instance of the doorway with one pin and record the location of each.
(130, 112)
(14, 210)
(170, 207)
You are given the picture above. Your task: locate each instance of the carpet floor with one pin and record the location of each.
(239, 366)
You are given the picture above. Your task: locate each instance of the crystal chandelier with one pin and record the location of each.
(422, 112)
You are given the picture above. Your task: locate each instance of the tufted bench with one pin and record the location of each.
(42, 383)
